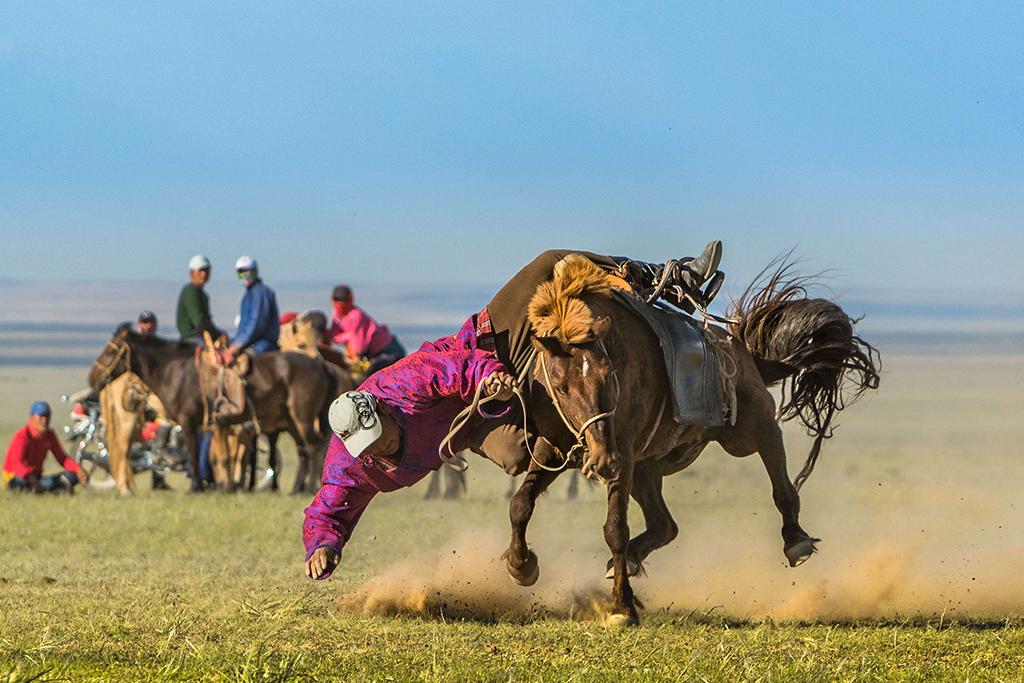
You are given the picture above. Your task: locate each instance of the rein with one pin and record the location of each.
(456, 462)
(222, 394)
(580, 433)
(123, 352)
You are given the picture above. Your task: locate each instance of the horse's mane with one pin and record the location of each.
(557, 308)
(161, 345)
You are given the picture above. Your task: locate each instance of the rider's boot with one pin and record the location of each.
(696, 272)
(678, 281)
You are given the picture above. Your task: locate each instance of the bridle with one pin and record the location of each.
(124, 351)
(581, 433)
(456, 462)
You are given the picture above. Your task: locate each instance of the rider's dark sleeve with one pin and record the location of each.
(508, 307)
(194, 314)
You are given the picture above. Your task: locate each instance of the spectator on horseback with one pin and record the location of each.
(258, 321)
(146, 324)
(388, 435)
(23, 466)
(362, 337)
(194, 303)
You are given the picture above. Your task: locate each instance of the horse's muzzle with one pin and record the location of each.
(603, 466)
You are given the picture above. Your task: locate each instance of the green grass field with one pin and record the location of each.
(916, 499)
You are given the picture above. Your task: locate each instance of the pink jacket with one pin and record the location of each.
(425, 391)
(359, 333)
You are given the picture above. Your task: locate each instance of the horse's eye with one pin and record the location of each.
(564, 391)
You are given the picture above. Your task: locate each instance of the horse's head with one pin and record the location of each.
(573, 363)
(114, 360)
(581, 381)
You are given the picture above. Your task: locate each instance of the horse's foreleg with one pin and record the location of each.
(272, 459)
(574, 486)
(520, 561)
(798, 545)
(249, 464)
(616, 535)
(660, 529)
(434, 490)
(454, 483)
(191, 440)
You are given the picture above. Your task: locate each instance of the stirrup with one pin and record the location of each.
(713, 287)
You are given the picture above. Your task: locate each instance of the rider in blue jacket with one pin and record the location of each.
(258, 325)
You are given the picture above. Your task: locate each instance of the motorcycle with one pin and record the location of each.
(159, 451)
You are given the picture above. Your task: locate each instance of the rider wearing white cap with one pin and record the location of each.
(387, 436)
(193, 303)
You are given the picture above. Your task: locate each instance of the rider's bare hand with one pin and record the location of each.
(83, 476)
(500, 385)
(323, 561)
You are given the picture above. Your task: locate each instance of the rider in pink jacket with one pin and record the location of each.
(360, 335)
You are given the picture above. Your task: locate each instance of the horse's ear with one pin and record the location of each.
(208, 346)
(122, 330)
(600, 327)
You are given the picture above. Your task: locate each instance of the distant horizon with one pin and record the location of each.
(109, 301)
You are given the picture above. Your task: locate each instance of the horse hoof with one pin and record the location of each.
(620, 621)
(633, 568)
(798, 553)
(527, 574)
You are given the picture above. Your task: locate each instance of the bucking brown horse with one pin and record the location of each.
(604, 392)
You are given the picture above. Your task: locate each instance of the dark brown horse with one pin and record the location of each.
(605, 392)
(284, 391)
(168, 369)
(290, 384)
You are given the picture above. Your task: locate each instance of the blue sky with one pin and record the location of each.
(449, 142)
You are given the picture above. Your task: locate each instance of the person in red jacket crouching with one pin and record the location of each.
(23, 466)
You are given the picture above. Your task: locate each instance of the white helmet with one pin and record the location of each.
(246, 263)
(198, 262)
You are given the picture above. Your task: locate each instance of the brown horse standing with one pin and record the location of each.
(284, 392)
(292, 392)
(603, 374)
(168, 369)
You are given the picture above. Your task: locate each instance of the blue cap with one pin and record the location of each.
(39, 408)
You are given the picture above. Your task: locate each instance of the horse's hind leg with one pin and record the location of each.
(798, 544)
(520, 561)
(316, 472)
(303, 469)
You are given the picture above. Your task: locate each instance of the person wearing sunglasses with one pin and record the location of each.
(258, 321)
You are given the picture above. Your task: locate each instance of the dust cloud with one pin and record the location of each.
(918, 551)
(918, 502)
